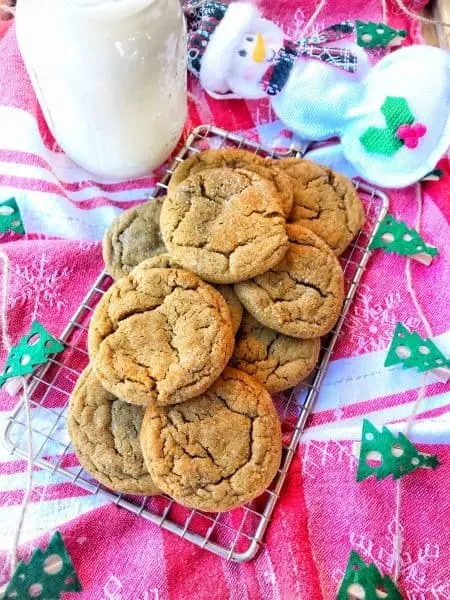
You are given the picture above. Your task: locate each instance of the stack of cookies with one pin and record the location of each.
(223, 289)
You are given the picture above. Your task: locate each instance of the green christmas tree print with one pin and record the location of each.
(48, 574)
(33, 349)
(376, 35)
(366, 581)
(412, 350)
(395, 236)
(384, 454)
(10, 218)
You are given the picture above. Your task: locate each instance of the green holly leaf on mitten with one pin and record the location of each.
(380, 141)
(377, 140)
(48, 574)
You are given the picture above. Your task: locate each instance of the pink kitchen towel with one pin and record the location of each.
(322, 512)
(320, 516)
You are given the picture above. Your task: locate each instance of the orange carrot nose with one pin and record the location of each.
(259, 51)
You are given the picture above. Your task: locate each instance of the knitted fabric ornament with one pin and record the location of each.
(393, 120)
(220, 33)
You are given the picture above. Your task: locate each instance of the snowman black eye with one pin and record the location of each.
(250, 39)
(242, 52)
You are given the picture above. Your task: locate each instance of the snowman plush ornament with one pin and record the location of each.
(392, 120)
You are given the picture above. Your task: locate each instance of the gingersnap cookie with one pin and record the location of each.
(160, 336)
(302, 295)
(132, 237)
(225, 225)
(105, 436)
(217, 451)
(324, 201)
(163, 261)
(234, 158)
(277, 361)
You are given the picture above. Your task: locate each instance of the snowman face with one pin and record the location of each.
(252, 58)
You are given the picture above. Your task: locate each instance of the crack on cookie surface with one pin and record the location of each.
(160, 335)
(302, 296)
(225, 225)
(324, 201)
(233, 158)
(277, 361)
(105, 436)
(216, 451)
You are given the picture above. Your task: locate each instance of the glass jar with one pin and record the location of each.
(110, 76)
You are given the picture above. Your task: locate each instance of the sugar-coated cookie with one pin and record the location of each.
(160, 336)
(235, 158)
(325, 202)
(225, 225)
(132, 237)
(105, 436)
(302, 295)
(277, 361)
(216, 451)
(163, 261)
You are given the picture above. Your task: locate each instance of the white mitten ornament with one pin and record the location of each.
(393, 120)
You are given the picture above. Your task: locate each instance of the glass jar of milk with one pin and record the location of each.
(110, 76)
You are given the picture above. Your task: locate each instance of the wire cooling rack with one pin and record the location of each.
(235, 535)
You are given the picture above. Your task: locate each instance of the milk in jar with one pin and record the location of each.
(110, 76)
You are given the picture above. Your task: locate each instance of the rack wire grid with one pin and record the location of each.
(237, 534)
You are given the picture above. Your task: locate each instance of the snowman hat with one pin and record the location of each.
(217, 37)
